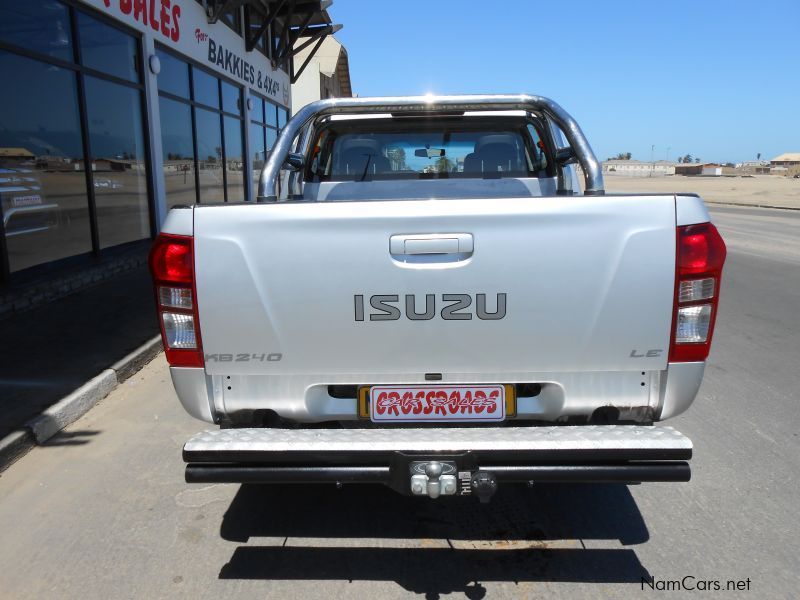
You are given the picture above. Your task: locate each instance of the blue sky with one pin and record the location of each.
(718, 80)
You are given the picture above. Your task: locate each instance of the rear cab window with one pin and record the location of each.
(428, 148)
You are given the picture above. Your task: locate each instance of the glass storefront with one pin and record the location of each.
(75, 134)
(177, 143)
(119, 165)
(42, 183)
(234, 159)
(41, 26)
(209, 156)
(265, 118)
(201, 134)
(73, 172)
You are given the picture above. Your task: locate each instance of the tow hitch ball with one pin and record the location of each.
(434, 479)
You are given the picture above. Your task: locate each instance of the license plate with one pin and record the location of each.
(430, 403)
(32, 200)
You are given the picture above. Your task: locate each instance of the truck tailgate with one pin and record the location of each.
(580, 284)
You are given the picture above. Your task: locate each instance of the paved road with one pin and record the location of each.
(102, 511)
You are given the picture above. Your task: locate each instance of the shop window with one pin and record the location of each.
(42, 26)
(177, 146)
(118, 164)
(209, 156)
(277, 30)
(59, 198)
(283, 116)
(205, 163)
(43, 196)
(263, 133)
(206, 88)
(231, 98)
(107, 49)
(174, 75)
(234, 159)
(257, 148)
(257, 112)
(255, 20)
(271, 114)
(272, 137)
(231, 17)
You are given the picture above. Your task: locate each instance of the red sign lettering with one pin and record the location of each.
(160, 15)
(438, 403)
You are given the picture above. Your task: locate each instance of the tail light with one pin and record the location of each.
(172, 266)
(699, 259)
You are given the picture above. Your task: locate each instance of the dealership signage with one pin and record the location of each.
(238, 67)
(182, 26)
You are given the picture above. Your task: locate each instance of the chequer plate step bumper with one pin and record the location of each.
(585, 442)
(588, 453)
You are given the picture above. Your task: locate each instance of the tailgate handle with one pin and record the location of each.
(432, 243)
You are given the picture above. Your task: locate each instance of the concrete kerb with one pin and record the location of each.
(137, 359)
(14, 445)
(70, 408)
(73, 406)
(743, 205)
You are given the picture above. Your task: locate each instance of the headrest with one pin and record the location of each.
(365, 145)
(504, 139)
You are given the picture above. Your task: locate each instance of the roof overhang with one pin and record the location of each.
(332, 59)
(303, 21)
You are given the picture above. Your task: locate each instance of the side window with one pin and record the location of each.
(539, 155)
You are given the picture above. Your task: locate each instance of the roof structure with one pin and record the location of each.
(16, 152)
(332, 58)
(787, 157)
(633, 161)
(306, 20)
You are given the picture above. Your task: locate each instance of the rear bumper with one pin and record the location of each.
(592, 453)
(641, 396)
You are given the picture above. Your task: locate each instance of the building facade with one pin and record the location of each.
(787, 164)
(638, 168)
(326, 74)
(114, 111)
(754, 167)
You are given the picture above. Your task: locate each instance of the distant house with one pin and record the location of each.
(689, 169)
(705, 169)
(638, 168)
(754, 167)
(16, 153)
(787, 159)
(787, 163)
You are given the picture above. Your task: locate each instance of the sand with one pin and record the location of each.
(761, 190)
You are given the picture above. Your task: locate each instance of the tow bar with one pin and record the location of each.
(440, 462)
(435, 478)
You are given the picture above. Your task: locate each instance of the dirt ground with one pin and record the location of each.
(763, 190)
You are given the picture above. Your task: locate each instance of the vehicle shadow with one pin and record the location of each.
(71, 438)
(522, 535)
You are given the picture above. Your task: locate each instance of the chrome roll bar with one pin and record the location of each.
(430, 104)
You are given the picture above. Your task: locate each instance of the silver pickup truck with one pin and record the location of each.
(424, 297)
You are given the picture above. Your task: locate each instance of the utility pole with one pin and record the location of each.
(652, 160)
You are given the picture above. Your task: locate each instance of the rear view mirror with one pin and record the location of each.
(294, 161)
(429, 152)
